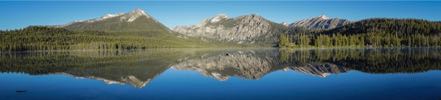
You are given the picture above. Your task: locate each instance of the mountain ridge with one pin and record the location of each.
(320, 23)
(247, 29)
(134, 21)
(138, 30)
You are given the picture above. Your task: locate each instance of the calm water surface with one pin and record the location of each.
(210, 74)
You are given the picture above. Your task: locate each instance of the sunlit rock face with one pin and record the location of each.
(245, 64)
(320, 70)
(243, 29)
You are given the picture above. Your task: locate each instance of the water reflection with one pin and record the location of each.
(138, 68)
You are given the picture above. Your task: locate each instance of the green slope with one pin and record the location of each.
(141, 24)
(388, 25)
(133, 30)
(50, 38)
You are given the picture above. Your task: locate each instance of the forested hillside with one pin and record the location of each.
(380, 32)
(50, 38)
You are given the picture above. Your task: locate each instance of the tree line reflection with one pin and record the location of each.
(138, 68)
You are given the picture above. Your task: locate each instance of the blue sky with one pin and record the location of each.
(171, 13)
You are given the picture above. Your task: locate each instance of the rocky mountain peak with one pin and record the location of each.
(284, 24)
(138, 12)
(243, 29)
(136, 20)
(133, 15)
(252, 17)
(127, 17)
(323, 17)
(321, 22)
(218, 18)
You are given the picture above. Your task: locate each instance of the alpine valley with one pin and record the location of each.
(139, 30)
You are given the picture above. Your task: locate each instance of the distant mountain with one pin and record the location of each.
(375, 32)
(138, 30)
(320, 23)
(387, 25)
(243, 29)
(134, 21)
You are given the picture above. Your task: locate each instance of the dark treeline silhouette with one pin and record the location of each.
(380, 32)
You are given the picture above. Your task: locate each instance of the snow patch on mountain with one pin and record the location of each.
(107, 16)
(324, 17)
(218, 18)
(132, 16)
(285, 24)
(126, 17)
(110, 16)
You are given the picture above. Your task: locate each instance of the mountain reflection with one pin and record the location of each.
(138, 68)
(243, 63)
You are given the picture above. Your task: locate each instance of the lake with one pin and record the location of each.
(223, 74)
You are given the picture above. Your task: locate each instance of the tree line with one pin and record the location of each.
(369, 33)
(53, 38)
